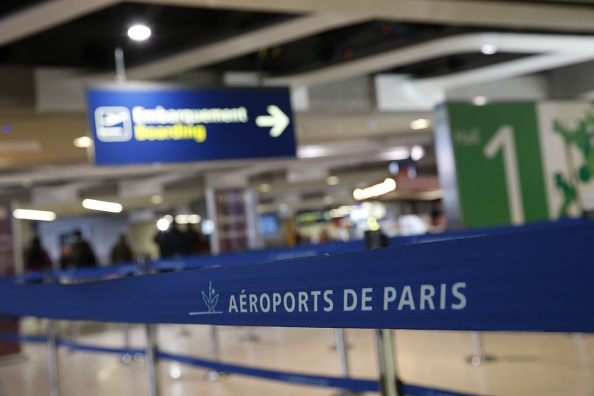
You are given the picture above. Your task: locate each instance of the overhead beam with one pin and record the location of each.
(473, 13)
(243, 44)
(45, 16)
(505, 42)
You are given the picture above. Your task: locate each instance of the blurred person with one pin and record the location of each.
(438, 220)
(197, 242)
(82, 253)
(324, 237)
(192, 240)
(171, 242)
(294, 237)
(203, 243)
(121, 251)
(36, 258)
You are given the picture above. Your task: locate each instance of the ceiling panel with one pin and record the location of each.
(90, 41)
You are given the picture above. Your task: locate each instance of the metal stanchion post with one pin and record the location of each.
(341, 352)
(150, 354)
(478, 356)
(389, 384)
(387, 364)
(213, 375)
(52, 354)
(126, 357)
(150, 358)
(119, 65)
(343, 364)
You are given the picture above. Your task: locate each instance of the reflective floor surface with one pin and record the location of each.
(524, 364)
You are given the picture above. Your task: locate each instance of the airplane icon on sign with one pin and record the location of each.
(113, 124)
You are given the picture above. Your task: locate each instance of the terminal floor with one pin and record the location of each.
(526, 364)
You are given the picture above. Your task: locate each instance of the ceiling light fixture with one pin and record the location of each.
(312, 151)
(83, 142)
(332, 180)
(39, 215)
(102, 206)
(157, 199)
(187, 219)
(395, 154)
(163, 224)
(139, 32)
(386, 186)
(417, 152)
(421, 123)
(479, 101)
(489, 49)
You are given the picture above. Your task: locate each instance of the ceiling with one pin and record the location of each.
(359, 72)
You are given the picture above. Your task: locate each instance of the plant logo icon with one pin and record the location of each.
(211, 300)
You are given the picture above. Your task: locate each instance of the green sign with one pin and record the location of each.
(517, 162)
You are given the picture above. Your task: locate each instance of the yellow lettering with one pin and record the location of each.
(170, 132)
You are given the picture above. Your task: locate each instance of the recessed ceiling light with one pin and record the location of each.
(103, 206)
(332, 180)
(163, 224)
(479, 101)
(394, 154)
(187, 219)
(39, 215)
(328, 200)
(157, 199)
(361, 194)
(421, 123)
(417, 152)
(83, 142)
(489, 49)
(139, 32)
(312, 151)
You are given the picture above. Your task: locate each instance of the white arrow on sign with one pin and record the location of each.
(277, 120)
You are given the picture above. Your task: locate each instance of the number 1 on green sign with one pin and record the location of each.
(504, 140)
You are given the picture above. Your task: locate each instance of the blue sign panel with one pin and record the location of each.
(135, 125)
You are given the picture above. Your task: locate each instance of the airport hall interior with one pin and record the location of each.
(297, 197)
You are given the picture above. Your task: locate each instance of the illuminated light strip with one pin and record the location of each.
(83, 142)
(379, 189)
(188, 219)
(103, 206)
(41, 215)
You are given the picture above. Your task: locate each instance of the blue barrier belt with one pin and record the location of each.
(358, 385)
(259, 256)
(296, 378)
(414, 390)
(98, 349)
(536, 280)
(333, 382)
(97, 272)
(23, 338)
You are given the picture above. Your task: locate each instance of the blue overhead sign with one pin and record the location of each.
(136, 125)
